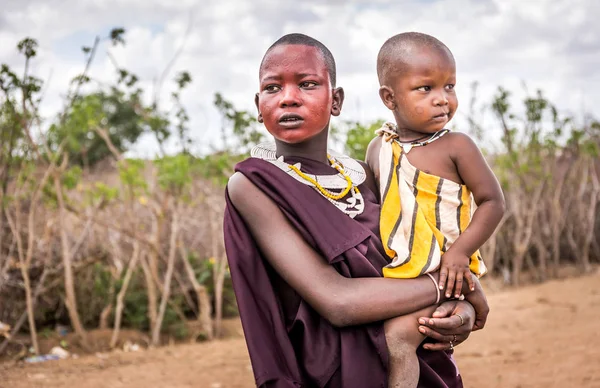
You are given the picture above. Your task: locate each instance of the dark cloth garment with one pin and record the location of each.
(290, 345)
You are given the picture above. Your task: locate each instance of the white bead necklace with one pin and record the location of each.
(352, 206)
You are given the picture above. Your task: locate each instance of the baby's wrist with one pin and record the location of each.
(456, 250)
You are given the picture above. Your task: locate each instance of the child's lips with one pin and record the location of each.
(291, 124)
(290, 120)
(441, 117)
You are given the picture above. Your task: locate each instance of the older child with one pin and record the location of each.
(301, 234)
(427, 177)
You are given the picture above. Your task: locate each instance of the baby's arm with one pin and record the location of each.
(479, 178)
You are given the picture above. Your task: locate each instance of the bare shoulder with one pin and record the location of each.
(460, 138)
(243, 193)
(375, 142)
(373, 148)
(372, 156)
(460, 143)
(238, 184)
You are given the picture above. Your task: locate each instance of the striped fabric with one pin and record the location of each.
(421, 214)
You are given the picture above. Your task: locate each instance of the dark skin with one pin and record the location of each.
(423, 101)
(301, 89)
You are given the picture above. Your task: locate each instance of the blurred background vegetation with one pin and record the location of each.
(91, 239)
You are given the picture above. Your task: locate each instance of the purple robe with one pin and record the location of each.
(291, 345)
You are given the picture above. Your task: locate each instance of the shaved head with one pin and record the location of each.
(305, 40)
(395, 54)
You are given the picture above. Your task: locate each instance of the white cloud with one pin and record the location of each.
(553, 45)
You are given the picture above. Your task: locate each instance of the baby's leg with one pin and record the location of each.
(403, 338)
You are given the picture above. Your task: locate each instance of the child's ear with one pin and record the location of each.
(387, 96)
(338, 101)
(259, 117)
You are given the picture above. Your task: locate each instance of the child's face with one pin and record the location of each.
(422, 96)
(296, 99)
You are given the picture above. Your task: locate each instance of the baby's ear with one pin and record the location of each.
(338, 101)
(387, 96)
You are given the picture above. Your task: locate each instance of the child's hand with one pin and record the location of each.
(455, 266)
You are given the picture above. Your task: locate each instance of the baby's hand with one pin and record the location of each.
(455, 266)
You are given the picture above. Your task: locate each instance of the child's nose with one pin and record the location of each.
(441, 98)
(289, 97)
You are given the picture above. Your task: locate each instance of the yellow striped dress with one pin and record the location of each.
(421, 214)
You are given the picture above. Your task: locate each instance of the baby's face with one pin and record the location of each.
(295, 97)
(424, 92)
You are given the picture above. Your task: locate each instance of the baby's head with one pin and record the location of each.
(297, 93)
(417, 75)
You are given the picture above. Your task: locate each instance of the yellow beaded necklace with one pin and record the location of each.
(323, 190)
(340, 189)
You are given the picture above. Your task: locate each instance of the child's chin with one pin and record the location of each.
(438, 126)
(296, 136)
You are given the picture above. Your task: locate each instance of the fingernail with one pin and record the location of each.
(472, 288)
(457, 296)
(422, 330)
(431, 321)
(447, 295)
(441, 286)
(422, 321)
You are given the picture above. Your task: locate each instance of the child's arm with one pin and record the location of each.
(479, 178)
(342, 301)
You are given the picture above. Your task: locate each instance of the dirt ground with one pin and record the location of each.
(537, 336)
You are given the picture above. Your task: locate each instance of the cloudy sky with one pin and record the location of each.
(553, 45)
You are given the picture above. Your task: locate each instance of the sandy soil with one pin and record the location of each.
(537, 336)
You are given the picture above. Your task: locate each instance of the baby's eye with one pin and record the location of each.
(450, 87)
(424, 88)
(308, 84)
(272, 88)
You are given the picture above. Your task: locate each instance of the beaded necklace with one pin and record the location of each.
(350, 175)
(389, 132)
(322, 189)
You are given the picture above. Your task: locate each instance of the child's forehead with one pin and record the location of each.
(286, 53)
(427, 62)
(293, 57)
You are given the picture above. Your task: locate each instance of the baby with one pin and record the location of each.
(428, 179)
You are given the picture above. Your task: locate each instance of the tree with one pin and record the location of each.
(239, 130)
(116, 110)
(358, 137)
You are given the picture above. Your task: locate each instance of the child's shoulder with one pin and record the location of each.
(457, 142)
(372, 155)
(456, 136)
(374, 145)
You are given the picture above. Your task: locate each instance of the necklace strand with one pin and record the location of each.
(323, 190)
(389, 132)
(412, 141)
(350, 175)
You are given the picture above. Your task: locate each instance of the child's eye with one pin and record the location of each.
(450, 87)
(272, 88)
(424, 88)
(308, 84)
